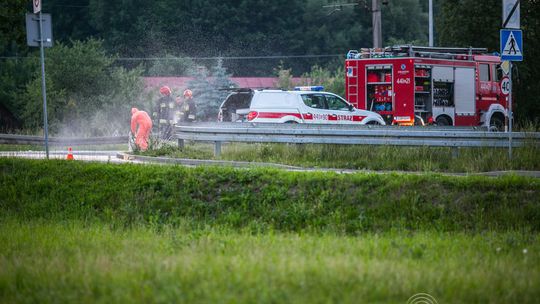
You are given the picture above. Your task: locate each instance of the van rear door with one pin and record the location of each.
(236, 106)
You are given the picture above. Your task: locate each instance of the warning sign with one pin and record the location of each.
(37, 6)
(511, 45)
(510, 15)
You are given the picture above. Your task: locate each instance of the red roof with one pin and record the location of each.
(180, 83)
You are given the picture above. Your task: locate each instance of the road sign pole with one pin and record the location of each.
(510, 114)
(43, 86)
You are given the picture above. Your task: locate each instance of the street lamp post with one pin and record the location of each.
(43, 85)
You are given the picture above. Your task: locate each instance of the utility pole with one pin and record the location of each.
(375, 12)
(376, 19)
(430, 23)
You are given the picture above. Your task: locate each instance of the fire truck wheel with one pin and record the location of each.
(443, 121)
(291, 122)
(496, 124)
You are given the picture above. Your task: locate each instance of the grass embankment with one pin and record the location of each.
(366, 157)
(267, 199)
(95, 232)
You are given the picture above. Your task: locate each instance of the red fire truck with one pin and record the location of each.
(419, 85)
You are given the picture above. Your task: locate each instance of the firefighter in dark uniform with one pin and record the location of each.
(163, 113)
(187, 107)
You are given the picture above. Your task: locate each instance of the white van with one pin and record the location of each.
(303, 105)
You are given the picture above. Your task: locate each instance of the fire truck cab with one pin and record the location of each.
(419, 85)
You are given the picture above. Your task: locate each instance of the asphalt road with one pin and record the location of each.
(97, 156)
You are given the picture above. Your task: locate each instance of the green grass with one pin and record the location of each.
(265, 199)
(425, 159)
(90, 232)
(80, 262)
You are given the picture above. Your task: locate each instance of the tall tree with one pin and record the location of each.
(477, 23)
(86, 95)
(15, 70)
(201, 88)
(209, 92)
(528, 86)
(171, 66)
(470, 23)
(70, 19)
(400, 27)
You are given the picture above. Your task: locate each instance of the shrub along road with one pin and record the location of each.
(98, 232)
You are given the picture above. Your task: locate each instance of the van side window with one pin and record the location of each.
(314, 100)
(335, 103)
(484, 72)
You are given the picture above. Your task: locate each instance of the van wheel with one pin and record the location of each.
(496, 124)
(418, 121)
(443, 121)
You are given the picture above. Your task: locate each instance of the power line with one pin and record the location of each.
(64, 5)
(229, 58)
(202, 58)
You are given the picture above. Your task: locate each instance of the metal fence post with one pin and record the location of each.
(455, 152)
(180, 143)
(217, 148)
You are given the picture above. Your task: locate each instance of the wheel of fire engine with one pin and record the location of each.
(291, 122)
(443, 121)
(496, 124)
(373, 123)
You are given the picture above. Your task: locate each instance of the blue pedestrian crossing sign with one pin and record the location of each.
(512, 45)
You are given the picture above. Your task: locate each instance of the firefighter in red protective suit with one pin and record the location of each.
(143, 120)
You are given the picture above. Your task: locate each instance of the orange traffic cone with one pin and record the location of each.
(70, 154)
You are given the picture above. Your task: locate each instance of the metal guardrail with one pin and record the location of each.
(61, 141)
(350, 135)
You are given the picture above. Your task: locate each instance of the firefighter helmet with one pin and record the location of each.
(188, 93)
(165, 90)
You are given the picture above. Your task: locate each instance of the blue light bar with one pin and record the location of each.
(309, 88)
